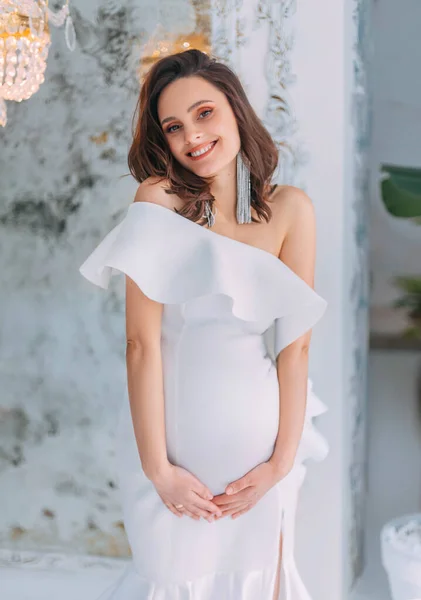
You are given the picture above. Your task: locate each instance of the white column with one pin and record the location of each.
(331, 108)
(319, 98)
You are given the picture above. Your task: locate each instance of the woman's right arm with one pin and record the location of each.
(145, 383)
(174, 484)
(144, 378)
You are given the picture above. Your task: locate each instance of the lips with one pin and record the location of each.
(200, 148)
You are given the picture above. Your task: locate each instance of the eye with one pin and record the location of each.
(207, 110)
(169, 128)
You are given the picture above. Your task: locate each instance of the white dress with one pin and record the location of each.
(221, 390)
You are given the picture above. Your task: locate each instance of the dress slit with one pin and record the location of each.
(291, 585)
(280, 561)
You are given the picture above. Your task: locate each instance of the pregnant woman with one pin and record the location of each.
(218, 419)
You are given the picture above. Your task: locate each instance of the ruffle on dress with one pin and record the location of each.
(173, 260)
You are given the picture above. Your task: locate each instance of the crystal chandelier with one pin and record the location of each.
(24, 44)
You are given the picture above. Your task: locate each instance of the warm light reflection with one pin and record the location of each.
(157, 48)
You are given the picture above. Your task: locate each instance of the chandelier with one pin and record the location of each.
(24, 44)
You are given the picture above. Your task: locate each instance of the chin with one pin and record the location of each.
(204, 171)
(210, 170)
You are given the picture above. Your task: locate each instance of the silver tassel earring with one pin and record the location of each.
(243, 191)
(243, 195)
(210, 216)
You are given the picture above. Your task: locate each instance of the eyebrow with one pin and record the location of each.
(188, 110)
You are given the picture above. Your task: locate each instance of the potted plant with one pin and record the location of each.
(401, 537)
(401, 556)
(411, 300)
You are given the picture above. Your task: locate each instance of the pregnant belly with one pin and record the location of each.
(222, 412)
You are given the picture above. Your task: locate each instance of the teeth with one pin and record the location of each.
(202, 151)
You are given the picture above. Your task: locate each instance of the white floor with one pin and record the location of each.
(55, 576)
(23, 583)
(49, 586)
(394, 440)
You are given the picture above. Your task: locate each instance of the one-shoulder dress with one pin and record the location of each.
(221, 299)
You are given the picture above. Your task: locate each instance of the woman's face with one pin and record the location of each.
(196, 116)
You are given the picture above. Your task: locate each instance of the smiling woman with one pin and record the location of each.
(201, 130)
(216, 427)
(169, 128)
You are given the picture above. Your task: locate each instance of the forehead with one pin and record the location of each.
(179, 95)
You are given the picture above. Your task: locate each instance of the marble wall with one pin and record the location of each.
(63, 161)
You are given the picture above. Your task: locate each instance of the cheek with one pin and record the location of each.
(220, 127)
(226, 128)
(175, 146)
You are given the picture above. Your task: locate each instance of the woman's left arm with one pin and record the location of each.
(299, 253)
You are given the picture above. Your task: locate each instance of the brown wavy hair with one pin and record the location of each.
(150, 155)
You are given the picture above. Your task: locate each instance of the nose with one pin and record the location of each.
(192, 134)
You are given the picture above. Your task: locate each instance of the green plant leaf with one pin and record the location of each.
(412, 333)
(411, 299)
(401, 191)
(411, 285)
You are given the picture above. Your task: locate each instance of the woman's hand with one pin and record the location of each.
(176, 486)
(247, 491)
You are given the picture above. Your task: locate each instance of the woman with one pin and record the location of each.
(213, 256)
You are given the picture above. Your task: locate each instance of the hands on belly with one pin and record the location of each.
(184, 494)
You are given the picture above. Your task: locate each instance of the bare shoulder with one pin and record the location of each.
(152, 190)
(293, 207)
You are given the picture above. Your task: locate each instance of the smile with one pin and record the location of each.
(205, 151)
